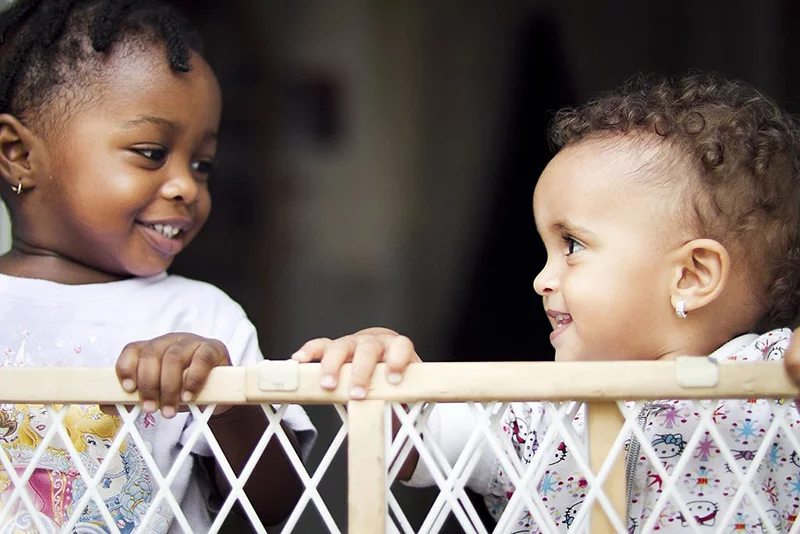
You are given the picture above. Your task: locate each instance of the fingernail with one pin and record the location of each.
(168, 412)
(328, 381)
(129, 385)
(299, 355)
(394, 378)
(149, 406)
(187, 397)
(358, 392)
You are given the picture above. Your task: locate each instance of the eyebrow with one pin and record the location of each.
(149, 119)
(158, 121)
(564, 227)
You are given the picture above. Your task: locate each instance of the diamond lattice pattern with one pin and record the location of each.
(74, 468)
(690, 466)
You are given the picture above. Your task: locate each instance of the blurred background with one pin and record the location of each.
(378, 158)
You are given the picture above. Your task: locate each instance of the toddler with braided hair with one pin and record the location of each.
(109, 119)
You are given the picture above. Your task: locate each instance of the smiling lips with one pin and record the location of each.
(166, 236)
(563, 320)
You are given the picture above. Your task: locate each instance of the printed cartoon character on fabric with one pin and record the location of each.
(56, 486)
(707, 483)
(125, 487)
(51, 483)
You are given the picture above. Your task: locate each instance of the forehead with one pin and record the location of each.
(596, 177)
(138, 79)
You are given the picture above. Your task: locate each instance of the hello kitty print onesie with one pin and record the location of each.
(707, 483)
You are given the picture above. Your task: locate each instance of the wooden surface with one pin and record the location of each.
(445, 382)
(605, 422)
(366, 468)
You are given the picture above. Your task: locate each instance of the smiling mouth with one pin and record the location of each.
(167, 230)
(563, 320)
(167, 239)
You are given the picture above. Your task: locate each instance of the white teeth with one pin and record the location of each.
(166, 230)
(561, 318)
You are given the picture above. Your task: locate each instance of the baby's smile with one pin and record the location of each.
(167, 230)
(560, 321)
(167, 236)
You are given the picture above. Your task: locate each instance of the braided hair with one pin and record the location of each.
(52, 48)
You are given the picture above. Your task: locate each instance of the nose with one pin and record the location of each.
(181, 186)
(546, 282)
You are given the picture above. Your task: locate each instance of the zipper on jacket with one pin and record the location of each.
(632, 460)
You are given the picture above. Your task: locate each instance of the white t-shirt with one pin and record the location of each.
(48, 324)
(707, 483)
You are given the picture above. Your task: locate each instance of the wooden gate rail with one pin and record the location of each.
(599, 384)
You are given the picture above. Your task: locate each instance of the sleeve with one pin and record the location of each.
(450, 427)
(242, 344)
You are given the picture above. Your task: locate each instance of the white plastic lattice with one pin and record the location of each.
(692, 466)
(603, 464)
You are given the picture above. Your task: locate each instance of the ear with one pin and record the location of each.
(702, 269)
(19, 148)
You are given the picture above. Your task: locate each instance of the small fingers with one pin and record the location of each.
(312, 350)
(173, 363)
(169, 369)
(367, 353)
(148, 376)
(337, 353)
(208, 355)
(398, 356)
(127, 366)
(791, 362)
(365, 349)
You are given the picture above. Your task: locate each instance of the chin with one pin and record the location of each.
(151, 272)
(145, 271)
(570, 356)
(564, 356)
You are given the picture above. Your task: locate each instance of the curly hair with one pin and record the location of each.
(745, 191)
(51, 49)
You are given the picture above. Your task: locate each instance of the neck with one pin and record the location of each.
(24, 261)
(705, 334)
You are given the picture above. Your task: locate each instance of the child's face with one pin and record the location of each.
(605, 284)
(128, 188)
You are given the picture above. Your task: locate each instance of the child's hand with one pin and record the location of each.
(169, 369)
(365, 349)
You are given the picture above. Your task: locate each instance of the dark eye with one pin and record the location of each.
(203, 167)
(154, 154)
(573, 245)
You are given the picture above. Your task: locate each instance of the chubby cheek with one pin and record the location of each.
(608, 311)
